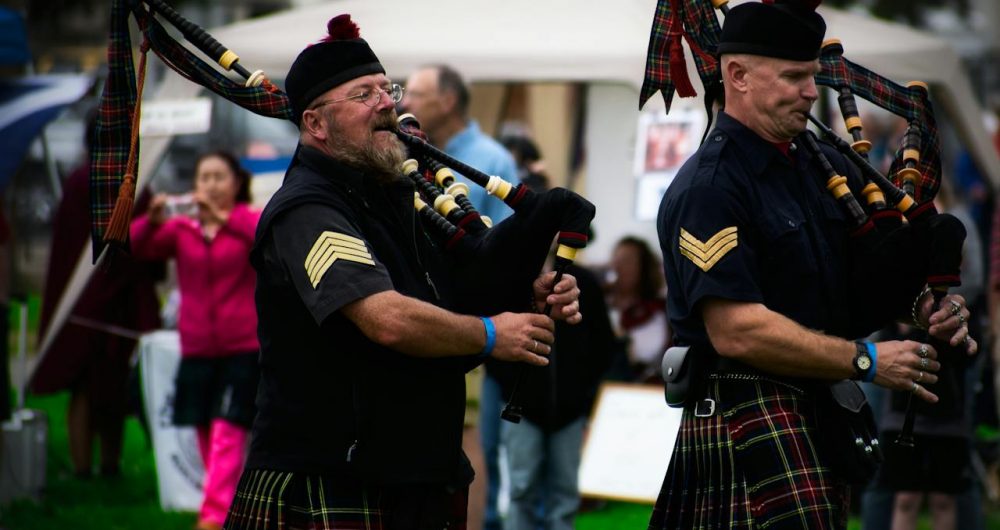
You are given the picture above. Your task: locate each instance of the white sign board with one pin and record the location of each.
(179, 469)
(179, 116)
(632, 433)
(663, 143)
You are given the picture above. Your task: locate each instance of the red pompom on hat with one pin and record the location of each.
(341, 27)
(339, 57)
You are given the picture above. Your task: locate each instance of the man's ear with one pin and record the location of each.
(314, 125)
(735, 72)
(449, 101)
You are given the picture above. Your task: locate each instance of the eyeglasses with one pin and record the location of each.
(369, 96)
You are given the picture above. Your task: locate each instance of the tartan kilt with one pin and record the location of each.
(755, 463)
(281, 500)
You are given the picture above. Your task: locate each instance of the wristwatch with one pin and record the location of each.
(862, 361)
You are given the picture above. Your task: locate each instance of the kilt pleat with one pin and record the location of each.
(753, 464)
(278, 500)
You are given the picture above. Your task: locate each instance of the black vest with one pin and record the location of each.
(330, 400)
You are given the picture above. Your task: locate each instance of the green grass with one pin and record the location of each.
(615, 516)
(130, 502)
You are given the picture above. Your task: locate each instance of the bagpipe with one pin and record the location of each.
(519, 243)
(900, 242)
(508, 256)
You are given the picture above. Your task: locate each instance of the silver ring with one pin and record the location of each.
(923, 351)
(961, 318)
(924, 362)
(534, 346)
(956, 307)
(915, 388)
(920, 377)
(966, 340)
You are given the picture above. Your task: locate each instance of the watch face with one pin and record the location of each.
(864, 362)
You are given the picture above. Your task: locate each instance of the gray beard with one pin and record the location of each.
(383, 164)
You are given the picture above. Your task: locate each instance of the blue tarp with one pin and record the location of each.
(13, 38)
(26, 106)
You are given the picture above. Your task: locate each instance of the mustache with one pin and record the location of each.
(386, 122)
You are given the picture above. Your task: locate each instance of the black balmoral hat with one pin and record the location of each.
(341, 56)
(784, 29)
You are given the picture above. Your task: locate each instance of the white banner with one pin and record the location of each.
(171, 117)
(179, 468)
(628, 448)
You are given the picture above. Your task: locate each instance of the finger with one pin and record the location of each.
(959, 336)
(540, 348)
(564, 297)
(570, 308)
(536, 360)
(926, 364)
(939, 316)
(924, 378)
(925, 394)
(932, 366)
(545, 280)
(543, 321)
(926, 350)
(952, 323)
(542, 336)
(950, 306)
(971, 346)
(533, 350)
(575, 319)
(566, 283)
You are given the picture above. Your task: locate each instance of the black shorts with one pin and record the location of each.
(216, 387)
(936, 464)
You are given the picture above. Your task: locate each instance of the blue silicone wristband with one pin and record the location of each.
(491, 337)
(873, 353)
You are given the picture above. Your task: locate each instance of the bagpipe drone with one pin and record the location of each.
(509, 255)
(901, 242)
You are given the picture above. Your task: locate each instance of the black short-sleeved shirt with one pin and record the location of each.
(743, 221)
(330, 400)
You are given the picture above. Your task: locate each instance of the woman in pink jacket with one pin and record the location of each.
(210, 234)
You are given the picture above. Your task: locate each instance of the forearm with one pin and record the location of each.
(771, 342)
(150, 240)
(414, 327)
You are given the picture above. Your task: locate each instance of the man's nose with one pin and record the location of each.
(810, 91)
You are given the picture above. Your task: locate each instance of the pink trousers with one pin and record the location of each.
(223, 447)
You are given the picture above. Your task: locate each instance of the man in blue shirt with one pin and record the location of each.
(439, 98)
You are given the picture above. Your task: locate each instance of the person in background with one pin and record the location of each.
(209, 234)
(527, 156)
(636, 297)
(439, 98)
(89, 355)
(543, 450)
(939, 465)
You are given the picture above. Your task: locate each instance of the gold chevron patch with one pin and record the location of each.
(331, 246)
(706, 255)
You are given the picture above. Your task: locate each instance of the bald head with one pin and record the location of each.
(439, 98)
